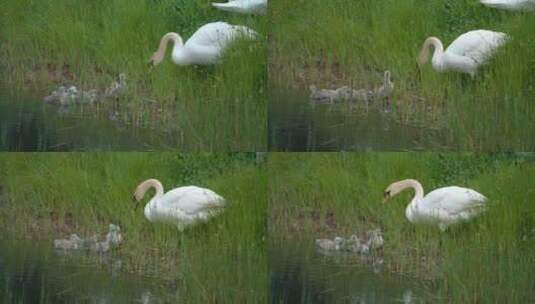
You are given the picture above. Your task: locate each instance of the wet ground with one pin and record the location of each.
(296, 124)
(29, 124)
(299, 273)
(36, 273)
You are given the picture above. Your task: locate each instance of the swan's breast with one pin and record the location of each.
(412, 212)
(182, 56)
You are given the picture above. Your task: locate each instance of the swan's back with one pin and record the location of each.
(192, 199)
(454, 200)
(510, 4)
(218, 34)
(243, 6)
(477, 44)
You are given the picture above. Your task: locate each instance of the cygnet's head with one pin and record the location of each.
(72, 90)
(114, 228)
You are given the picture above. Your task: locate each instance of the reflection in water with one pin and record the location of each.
(299, 275)
(30, 274)
(296, 125)
(32, 125)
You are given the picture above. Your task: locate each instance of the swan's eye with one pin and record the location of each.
(387, 193)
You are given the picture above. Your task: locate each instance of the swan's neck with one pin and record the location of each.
(143, 188)
(438, 52)
(181, 55)
(178, 44)
(418, 196)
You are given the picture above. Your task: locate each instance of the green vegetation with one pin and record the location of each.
(47, 196)
(344, 42)
(88, 43)
(488, 260)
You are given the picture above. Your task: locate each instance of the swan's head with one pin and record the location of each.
(142, 188)
(136, 201)
(138, 194)
(393, 190)
(156, 58)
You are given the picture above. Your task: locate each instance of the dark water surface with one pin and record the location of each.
(28, 124)
(31, 273)
(300, 274)
(297, 125)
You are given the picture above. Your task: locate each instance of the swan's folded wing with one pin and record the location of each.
(478, 44)
(454, 200)
(219, 34)
(192, 199)
(510, 4)
(243, 6)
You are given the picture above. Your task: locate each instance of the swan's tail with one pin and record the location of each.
(245, 32)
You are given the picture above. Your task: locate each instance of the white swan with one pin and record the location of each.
(465, 54)
(183, 206)
(243, 6)
(442, 207)
(205, 46)
(510, 5)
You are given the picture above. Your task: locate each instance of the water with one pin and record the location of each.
(31, 273)
(299, 274)
(28, 124)
(297, 125)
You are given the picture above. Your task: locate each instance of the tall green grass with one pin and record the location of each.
(343, 42)
(48, 196)
(488, 260)
(87, 43)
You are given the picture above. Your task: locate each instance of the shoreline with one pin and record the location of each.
(342, 196)
(83, 192)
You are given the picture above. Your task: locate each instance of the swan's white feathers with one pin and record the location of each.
(183, 206)
(243, 6)
(477, 45)
(466, 53)
(512, 5)
(449, 205)
(191, 199)
(443, 206)
(205, 46)
(218, 34)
